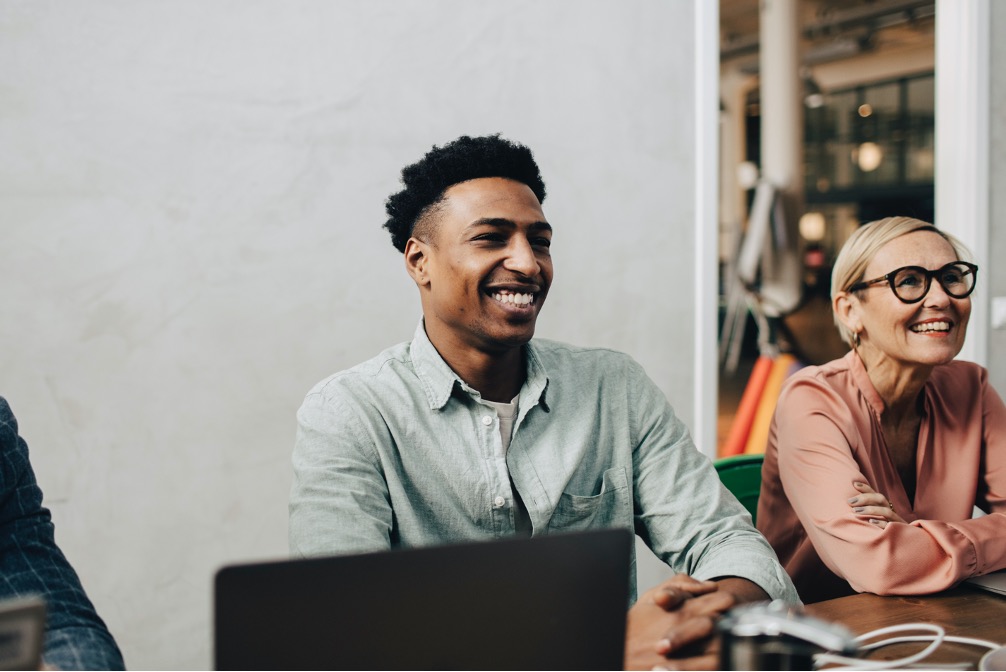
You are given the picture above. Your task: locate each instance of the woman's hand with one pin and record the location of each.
(873, 506)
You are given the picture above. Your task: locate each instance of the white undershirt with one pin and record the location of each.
(507, 413)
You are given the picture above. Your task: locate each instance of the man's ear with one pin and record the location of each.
(417, 257)
(846, 307)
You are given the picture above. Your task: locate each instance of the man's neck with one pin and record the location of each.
(498, 376)
(500, 383)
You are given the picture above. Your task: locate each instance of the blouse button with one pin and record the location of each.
(487, 420)
(499, 501)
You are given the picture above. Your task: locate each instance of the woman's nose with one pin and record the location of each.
(936, 296)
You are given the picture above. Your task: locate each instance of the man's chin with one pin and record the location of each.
(512, 339)
(517, 341)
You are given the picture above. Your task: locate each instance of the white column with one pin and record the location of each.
(962, 139)
(781, 146)
(781, 110)
(707, 68)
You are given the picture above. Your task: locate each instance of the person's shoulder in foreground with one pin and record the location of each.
(31, 564)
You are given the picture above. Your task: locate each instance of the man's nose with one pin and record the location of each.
(521, 258)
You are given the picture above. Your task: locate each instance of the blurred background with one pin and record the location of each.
(860, 107)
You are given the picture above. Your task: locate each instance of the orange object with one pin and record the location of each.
(758, 436)
(737, 439)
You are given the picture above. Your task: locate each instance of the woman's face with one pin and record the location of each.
(928, 332)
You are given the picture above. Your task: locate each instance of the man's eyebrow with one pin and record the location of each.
(502, 222)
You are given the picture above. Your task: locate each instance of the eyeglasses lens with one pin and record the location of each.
(912, 283)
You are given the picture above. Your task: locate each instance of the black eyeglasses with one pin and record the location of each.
(911, 283)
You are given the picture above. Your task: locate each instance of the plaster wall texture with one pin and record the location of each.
(191, 199)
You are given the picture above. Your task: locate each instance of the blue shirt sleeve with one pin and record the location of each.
(31, 564)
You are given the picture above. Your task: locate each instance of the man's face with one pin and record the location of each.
(486, 269)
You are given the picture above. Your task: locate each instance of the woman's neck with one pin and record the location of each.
(898, 383)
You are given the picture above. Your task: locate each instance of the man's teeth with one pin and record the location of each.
(931, 326)
(515, 299)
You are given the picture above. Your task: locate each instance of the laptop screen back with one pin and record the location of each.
(22, 627)
(555, 602)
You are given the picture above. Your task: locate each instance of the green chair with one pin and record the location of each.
(742, 476)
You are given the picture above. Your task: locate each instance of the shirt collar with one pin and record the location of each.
(439, 380)
(862, 379)
(536, 383)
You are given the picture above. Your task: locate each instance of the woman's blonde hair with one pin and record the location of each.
(863, 245)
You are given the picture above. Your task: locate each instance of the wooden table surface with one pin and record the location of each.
(963, 611)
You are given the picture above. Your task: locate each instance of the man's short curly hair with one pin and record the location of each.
(458, 161)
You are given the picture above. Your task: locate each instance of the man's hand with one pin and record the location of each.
(675, 590)
(672, 626)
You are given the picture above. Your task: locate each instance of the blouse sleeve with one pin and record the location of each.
(992, 488)
(817, 433)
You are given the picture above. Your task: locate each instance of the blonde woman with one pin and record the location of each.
(875, 461)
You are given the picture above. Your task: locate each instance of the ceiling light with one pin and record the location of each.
(868, 156)
(812, 225)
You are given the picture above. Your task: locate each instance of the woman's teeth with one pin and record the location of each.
(930, 326)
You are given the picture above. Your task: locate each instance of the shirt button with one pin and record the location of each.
(487, 420)
(499, 501)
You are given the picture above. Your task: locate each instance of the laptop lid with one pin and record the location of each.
(22, 626)
(554, 602)
(994, 582)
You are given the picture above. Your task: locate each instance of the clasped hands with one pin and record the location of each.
(873, 506)
(672, 626)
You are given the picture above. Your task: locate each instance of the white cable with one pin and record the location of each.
(860, 664)
(935, 640)
(925, 638)
(972, 640)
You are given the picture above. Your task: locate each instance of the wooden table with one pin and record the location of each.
(963, 611)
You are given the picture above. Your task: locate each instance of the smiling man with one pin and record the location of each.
(476, 430)
(482, 264)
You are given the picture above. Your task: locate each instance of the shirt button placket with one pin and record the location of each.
(500, 501)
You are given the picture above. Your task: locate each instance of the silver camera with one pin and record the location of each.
(777, 636)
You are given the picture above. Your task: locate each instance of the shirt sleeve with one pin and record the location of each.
(988, 533)
(682, 510)
(992, 488)
(814, 432)
(339, 500)
(31, 564)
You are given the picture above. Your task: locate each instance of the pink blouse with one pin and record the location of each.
(826, 433)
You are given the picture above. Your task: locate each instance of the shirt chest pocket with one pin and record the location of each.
(611, 507)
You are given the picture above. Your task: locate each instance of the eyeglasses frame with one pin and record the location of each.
(929, 275)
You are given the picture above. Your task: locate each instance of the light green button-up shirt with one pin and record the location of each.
(399, 451)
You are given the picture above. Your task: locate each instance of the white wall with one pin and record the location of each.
(191, 200)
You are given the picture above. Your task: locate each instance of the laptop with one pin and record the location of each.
(994, 582)
(22, 627)
(554, 602)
